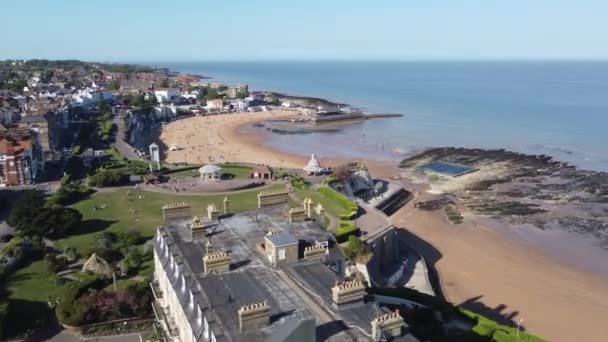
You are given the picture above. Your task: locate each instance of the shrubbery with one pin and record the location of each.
(108, 178)
(299, 183)
(346, 230)
(70, 193)
(354, 247)
(68, 310)
(84, 302)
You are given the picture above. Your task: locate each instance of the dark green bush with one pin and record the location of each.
(108, 178)
(71, 312)
(345, 230)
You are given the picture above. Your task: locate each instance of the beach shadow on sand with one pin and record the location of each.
(430, 254)
(475, 304)
(499, 314)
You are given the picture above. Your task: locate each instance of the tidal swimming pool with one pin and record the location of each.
(448, 169)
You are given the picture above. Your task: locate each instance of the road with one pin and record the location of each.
(119, 144)
(67, 337)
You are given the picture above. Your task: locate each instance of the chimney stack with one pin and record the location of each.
(388, 325)
(348, 292)
(254, 316)
(226, 206)
(212, 213)
(216, 261)
(316, 252)
(176, 211)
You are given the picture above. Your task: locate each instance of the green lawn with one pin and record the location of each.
(148, 215)
(335, 204)
(28, 290)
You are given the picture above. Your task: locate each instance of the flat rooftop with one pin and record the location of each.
(250, 278)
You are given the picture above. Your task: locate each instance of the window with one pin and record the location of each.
(282, 254)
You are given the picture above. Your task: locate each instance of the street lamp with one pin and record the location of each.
(519, 321)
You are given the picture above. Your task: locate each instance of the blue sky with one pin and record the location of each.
(176, 30)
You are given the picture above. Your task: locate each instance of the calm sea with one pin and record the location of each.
(554, 108)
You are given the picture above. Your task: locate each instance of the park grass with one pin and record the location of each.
(28, 291)
(332, 207)
(33, 283)
(148, 215)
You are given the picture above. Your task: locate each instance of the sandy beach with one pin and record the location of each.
(479, 266)
(215, 139)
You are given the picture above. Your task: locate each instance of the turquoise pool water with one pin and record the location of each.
(448, 169)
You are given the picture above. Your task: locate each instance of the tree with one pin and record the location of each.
(103, 106)
(211, 94)
(114, 85)
(55, 222)
(342, 173)
(354, 247)
(164, 83)
(108, 178)
(25, 210)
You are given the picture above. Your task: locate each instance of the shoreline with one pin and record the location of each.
(481, 267)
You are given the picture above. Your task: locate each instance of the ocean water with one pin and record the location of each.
(554, 108)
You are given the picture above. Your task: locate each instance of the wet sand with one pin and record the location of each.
(481, 267)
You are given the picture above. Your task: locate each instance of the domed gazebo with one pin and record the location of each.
(210, 172)
(313, 167)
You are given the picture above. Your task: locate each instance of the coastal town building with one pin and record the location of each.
(260, 172)
(258, 276)
(166, 95)
(237, 90)
(40, 125)
(20, 157)
(215, 104)
(92, 96)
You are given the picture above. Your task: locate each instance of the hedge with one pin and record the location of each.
(345, 230)
(108, 178)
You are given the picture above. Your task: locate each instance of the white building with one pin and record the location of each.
(191, 94)
(215, 104)
(166, 95)
(165, 111)
(90, 96)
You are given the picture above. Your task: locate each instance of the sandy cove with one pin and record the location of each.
(485, 269)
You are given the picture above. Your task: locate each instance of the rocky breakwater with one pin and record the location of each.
(517, 188)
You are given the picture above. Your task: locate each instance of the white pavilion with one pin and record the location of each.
(313, 167)
(210, 172)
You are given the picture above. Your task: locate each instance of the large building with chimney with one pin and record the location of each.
(21, 158)
(269, 275)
